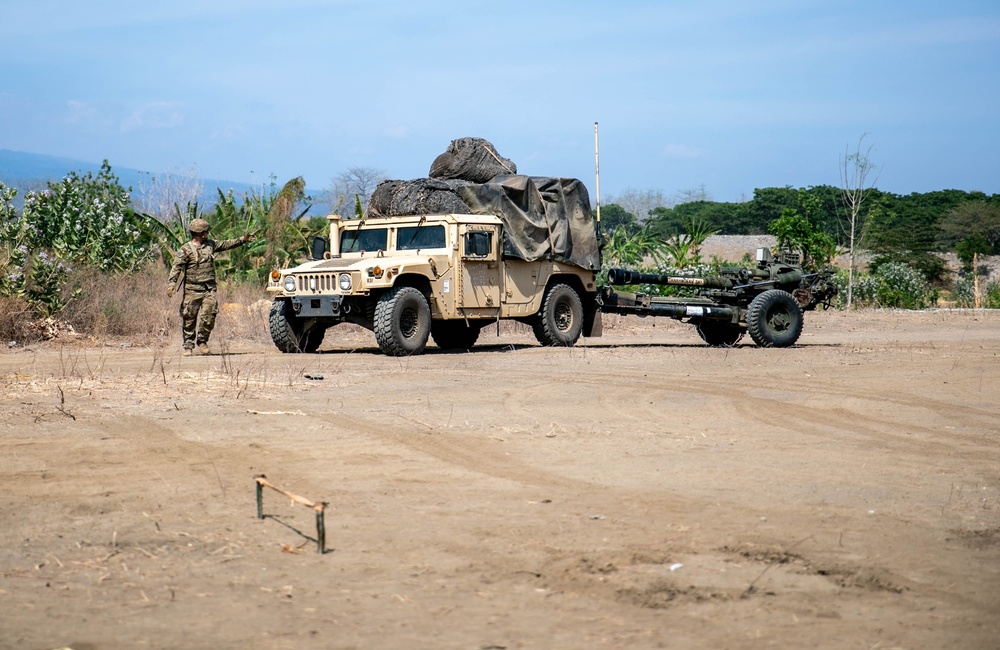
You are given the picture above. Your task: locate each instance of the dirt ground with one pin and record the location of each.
(638, 491)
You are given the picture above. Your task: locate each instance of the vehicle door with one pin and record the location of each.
(480, 283)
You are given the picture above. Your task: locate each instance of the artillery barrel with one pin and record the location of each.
(624, 276)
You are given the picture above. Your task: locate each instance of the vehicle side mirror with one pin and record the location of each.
(318, 248)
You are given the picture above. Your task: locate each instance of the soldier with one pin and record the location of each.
(194, 271)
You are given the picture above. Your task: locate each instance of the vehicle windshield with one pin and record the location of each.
(355, 241)
(414, 237)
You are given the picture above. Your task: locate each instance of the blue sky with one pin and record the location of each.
(728, 95)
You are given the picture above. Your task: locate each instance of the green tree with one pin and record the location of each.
(898, 232)
(726, 218)
(974, 218)
(615, 216)
(970, 247)
(800, 230)
(767, 205)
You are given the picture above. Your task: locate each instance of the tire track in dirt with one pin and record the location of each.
(808, 388)
(885, 432)
(469, 453)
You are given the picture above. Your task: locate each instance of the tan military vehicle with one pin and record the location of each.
(443, 276)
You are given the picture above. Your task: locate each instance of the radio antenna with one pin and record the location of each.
(597, 179)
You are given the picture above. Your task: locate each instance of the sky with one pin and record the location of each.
(720, 96)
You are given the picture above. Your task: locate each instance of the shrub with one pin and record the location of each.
(990, 292)
(894, 285)
(87, 220)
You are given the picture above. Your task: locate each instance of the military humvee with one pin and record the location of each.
(528, 249)
(443, 276)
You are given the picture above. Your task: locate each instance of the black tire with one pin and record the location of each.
(774, 319)
(402, 322)
(560, 320)
(288, 333)
(454, 334)
(720, 335)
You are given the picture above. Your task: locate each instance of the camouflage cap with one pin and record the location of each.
(198, 226)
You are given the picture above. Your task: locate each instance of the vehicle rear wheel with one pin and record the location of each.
(454, 334)
(402, 322)
(720, 335)
(774, 319)
(560, 320)
(291, 334)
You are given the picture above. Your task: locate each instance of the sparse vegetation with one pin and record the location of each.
(895, 285)
(80, 250)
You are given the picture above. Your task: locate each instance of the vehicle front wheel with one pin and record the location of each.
(560, 320)
(774, 319)
(289, 333)
(402, 322)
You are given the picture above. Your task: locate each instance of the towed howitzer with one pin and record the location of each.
(766, 301)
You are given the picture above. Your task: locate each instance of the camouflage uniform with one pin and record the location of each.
(197, 264)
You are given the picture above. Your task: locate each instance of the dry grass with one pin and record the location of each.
(15, 322)
(243, 310)
(136, 309)
(125, 306)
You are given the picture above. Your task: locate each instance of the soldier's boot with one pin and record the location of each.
(203, 348)
(188, 352)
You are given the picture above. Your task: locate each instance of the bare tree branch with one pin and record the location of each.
(858, 176)
(356, 181)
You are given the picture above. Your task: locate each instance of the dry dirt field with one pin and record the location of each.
(637, 491)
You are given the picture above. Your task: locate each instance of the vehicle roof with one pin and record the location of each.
(425, 218)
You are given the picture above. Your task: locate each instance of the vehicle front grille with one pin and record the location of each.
(316, 282)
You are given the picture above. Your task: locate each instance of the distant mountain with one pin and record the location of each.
(31, 171)
(18, 167)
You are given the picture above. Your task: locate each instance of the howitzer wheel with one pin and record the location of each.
(774, 319)
(720, 335)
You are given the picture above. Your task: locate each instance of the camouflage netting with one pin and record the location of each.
(421, 196)
(471, 159)
(544, 218)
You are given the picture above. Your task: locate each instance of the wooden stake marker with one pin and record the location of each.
(319, 508)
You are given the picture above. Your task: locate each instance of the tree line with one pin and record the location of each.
(907, 229)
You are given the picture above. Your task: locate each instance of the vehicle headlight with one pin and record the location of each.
(345, 281)
(290, 283)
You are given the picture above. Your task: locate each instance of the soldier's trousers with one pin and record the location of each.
(198, 310)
